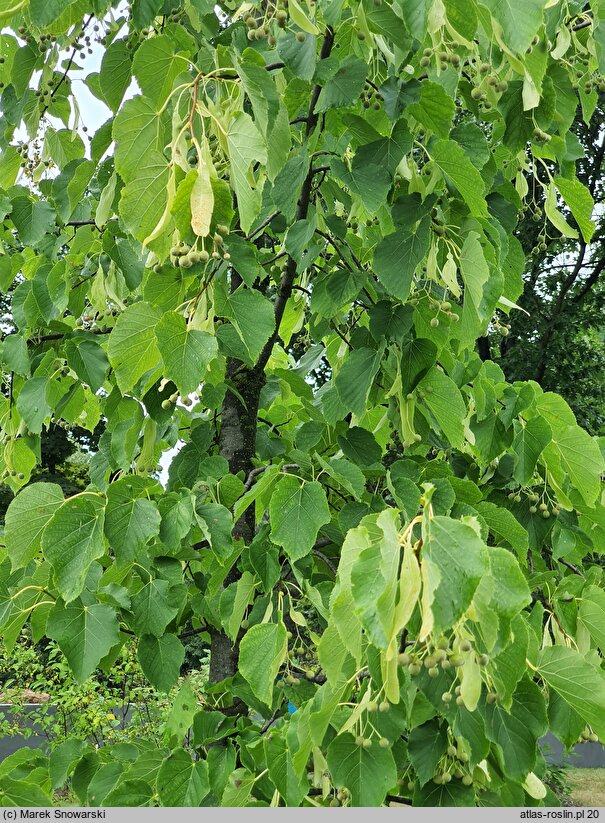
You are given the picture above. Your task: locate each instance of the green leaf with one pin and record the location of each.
(114, 76)
(88, 360)
(414, 14)
(335, 291)
(564, 722)
(367, 774)
(458, 170)
(300, 19)
(505, 525)
(397, 256)
(299, 57)
(156, 66)
(580, 202)
(452, 794)
(22, 793)
(530, 440)
(463, 17)
(14, 354)
(32, 403)
(161, 659)
(345, 473)
(182, 781)
(234, 603)
(592, 614)
(519, 24)
(298, 239)
(85, 635)
(457, 559)
(345, 86)
(176, 511)
(103, 781)
(474, 143)
(131, 520)
(555, 216)
(360, 446)
(239, 788)
(186, 352)
(598, 26)
(510, 664)
(132, 346)
(288, 783)
(475, 272)
(143, 199)
(153, 608)
(417, 357)
(471, 727)
(555, 410)
(262, 651)
(63, 146)
(580, 683)
(517, 732)
(138, 132)
(426, 746)
(297, 511)
(129, 793)
(126, 256)
(374, 579)
(72, 540)
(264, 557)
(386, 152)
(32, 219)
(582, 459)
(246, 146)
(260, 88)
(239, 308)
(43, 12)
(405, 492)
(218, 527)
(511, 593)
(369, 181)
(182, 712)
(287, 184)
(355, 378)
(270, 114)
(143, 12)
(26, 518)
(434, 110)
(382, 20)
(444, 400)
(63, 758)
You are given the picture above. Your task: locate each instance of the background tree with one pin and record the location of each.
(280, 250)
(559, 341)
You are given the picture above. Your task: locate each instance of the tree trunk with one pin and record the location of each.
(237, 444)
(237, 441)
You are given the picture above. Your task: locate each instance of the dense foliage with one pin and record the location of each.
(275, 258)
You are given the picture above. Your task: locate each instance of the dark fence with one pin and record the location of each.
(582, 756)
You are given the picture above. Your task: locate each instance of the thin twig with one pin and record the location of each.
(268, 723)
(253, 473)
(263, 225)
(325, 559)
(570, 566)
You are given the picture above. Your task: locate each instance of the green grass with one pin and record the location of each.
(588, 786)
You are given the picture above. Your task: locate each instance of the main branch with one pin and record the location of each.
(287, 281)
